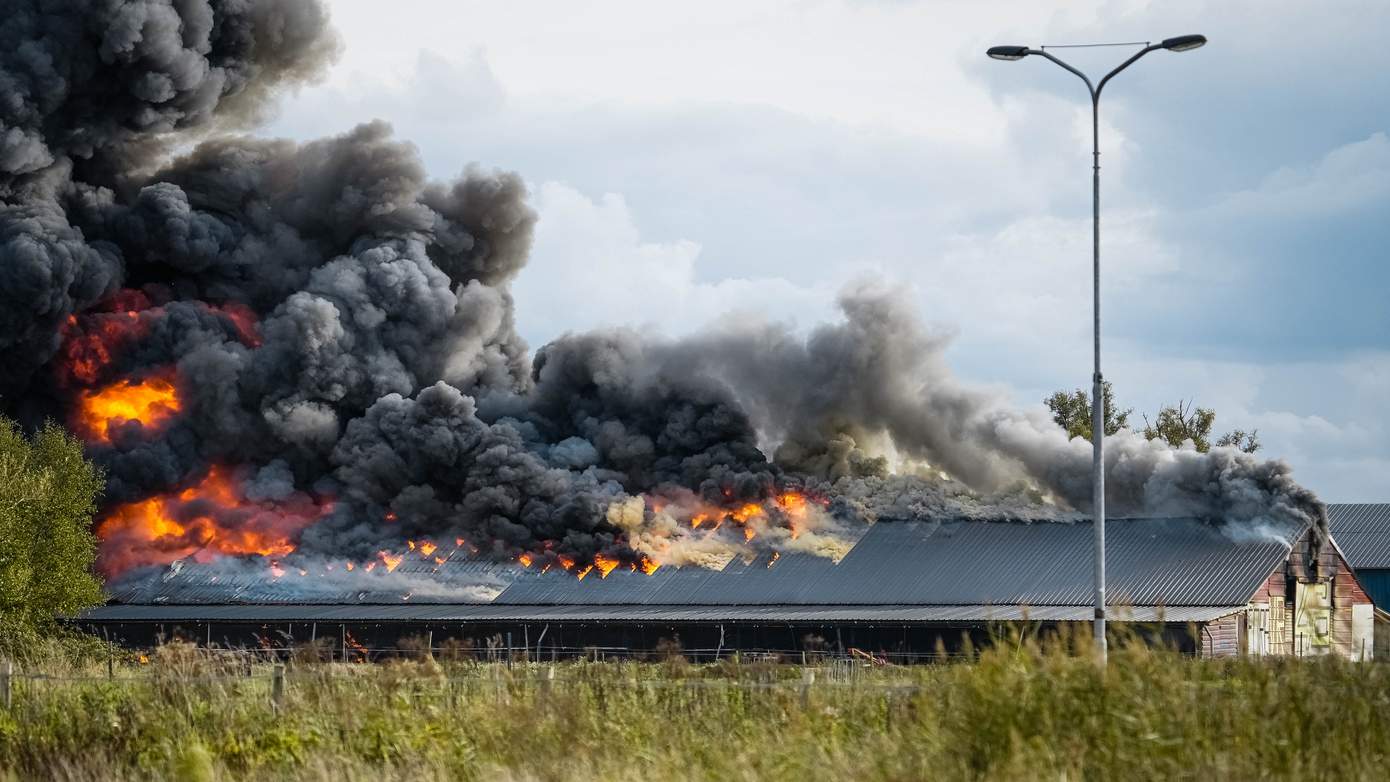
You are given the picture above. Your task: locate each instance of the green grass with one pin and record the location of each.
(1018, 712)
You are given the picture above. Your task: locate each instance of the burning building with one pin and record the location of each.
(902, 590)
(300, 359)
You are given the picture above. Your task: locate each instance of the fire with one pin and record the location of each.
(427, 548)
(152, 401)
(605, 565)
(747, 511)
(94, 340)
(204, 520)
(584, 572)
(792, 503)
(787, 510)
(391, 561)
(525, 559)
(352, 643)
(647, 566)
(243, 320)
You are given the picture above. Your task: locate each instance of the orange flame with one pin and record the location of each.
(605, 565)
(153, 401)
(747, 511)
(525, 559)
(427, 548)
(391, 561)
(93, 340)
(206, 519)
(787, 509)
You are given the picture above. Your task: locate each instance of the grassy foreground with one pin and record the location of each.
(1016, 713)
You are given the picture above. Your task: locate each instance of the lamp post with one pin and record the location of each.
(1181, 43)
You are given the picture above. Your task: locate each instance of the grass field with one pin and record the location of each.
(1015, 713)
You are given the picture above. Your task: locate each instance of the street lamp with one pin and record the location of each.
(1181, 43)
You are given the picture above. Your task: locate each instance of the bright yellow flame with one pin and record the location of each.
(151, 401)
(605, 565)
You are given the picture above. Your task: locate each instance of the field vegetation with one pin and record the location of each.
(1017, 711)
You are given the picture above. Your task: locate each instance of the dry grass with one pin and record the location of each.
(1019, 712)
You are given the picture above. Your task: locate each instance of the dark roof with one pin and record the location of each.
(1151, 562)
(1362, 531)
(436, 612)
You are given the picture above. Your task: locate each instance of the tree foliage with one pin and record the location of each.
(1174, 424)
(1072, 411)
(48, 493)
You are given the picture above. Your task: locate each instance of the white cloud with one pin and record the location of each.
(591, 268)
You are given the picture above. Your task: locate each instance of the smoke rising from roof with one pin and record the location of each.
(340, 332)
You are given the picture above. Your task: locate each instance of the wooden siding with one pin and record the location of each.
(1221, 638)
(1279, 625)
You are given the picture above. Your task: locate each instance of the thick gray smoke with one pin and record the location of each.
(880, 378)
(338, 331)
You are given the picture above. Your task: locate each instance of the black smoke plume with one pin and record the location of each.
(339, 330)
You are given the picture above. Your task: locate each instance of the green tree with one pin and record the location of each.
(48, 493)
(1072, 411)
(1176, 424)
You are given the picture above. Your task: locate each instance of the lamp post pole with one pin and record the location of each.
(1181, 43)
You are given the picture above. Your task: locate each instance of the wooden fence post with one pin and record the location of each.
(6, 684)
(808, 677)
(277, 685)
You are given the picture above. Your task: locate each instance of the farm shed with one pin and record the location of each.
(1362, 531)
(904, 588)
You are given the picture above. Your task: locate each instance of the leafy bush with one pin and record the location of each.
(48, 493)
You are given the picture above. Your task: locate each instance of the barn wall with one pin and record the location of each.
(1346, 594)
(1222, 637)
(1272, 617)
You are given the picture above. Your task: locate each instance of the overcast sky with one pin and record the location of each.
(698, 161)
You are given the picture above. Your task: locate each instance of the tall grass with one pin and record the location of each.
(1020, 711)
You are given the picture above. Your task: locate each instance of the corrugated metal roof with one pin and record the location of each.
(890, 614)
(1151, 562)
(1362, 530)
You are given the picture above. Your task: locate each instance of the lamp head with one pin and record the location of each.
(1008, 52)
(1184, 43)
